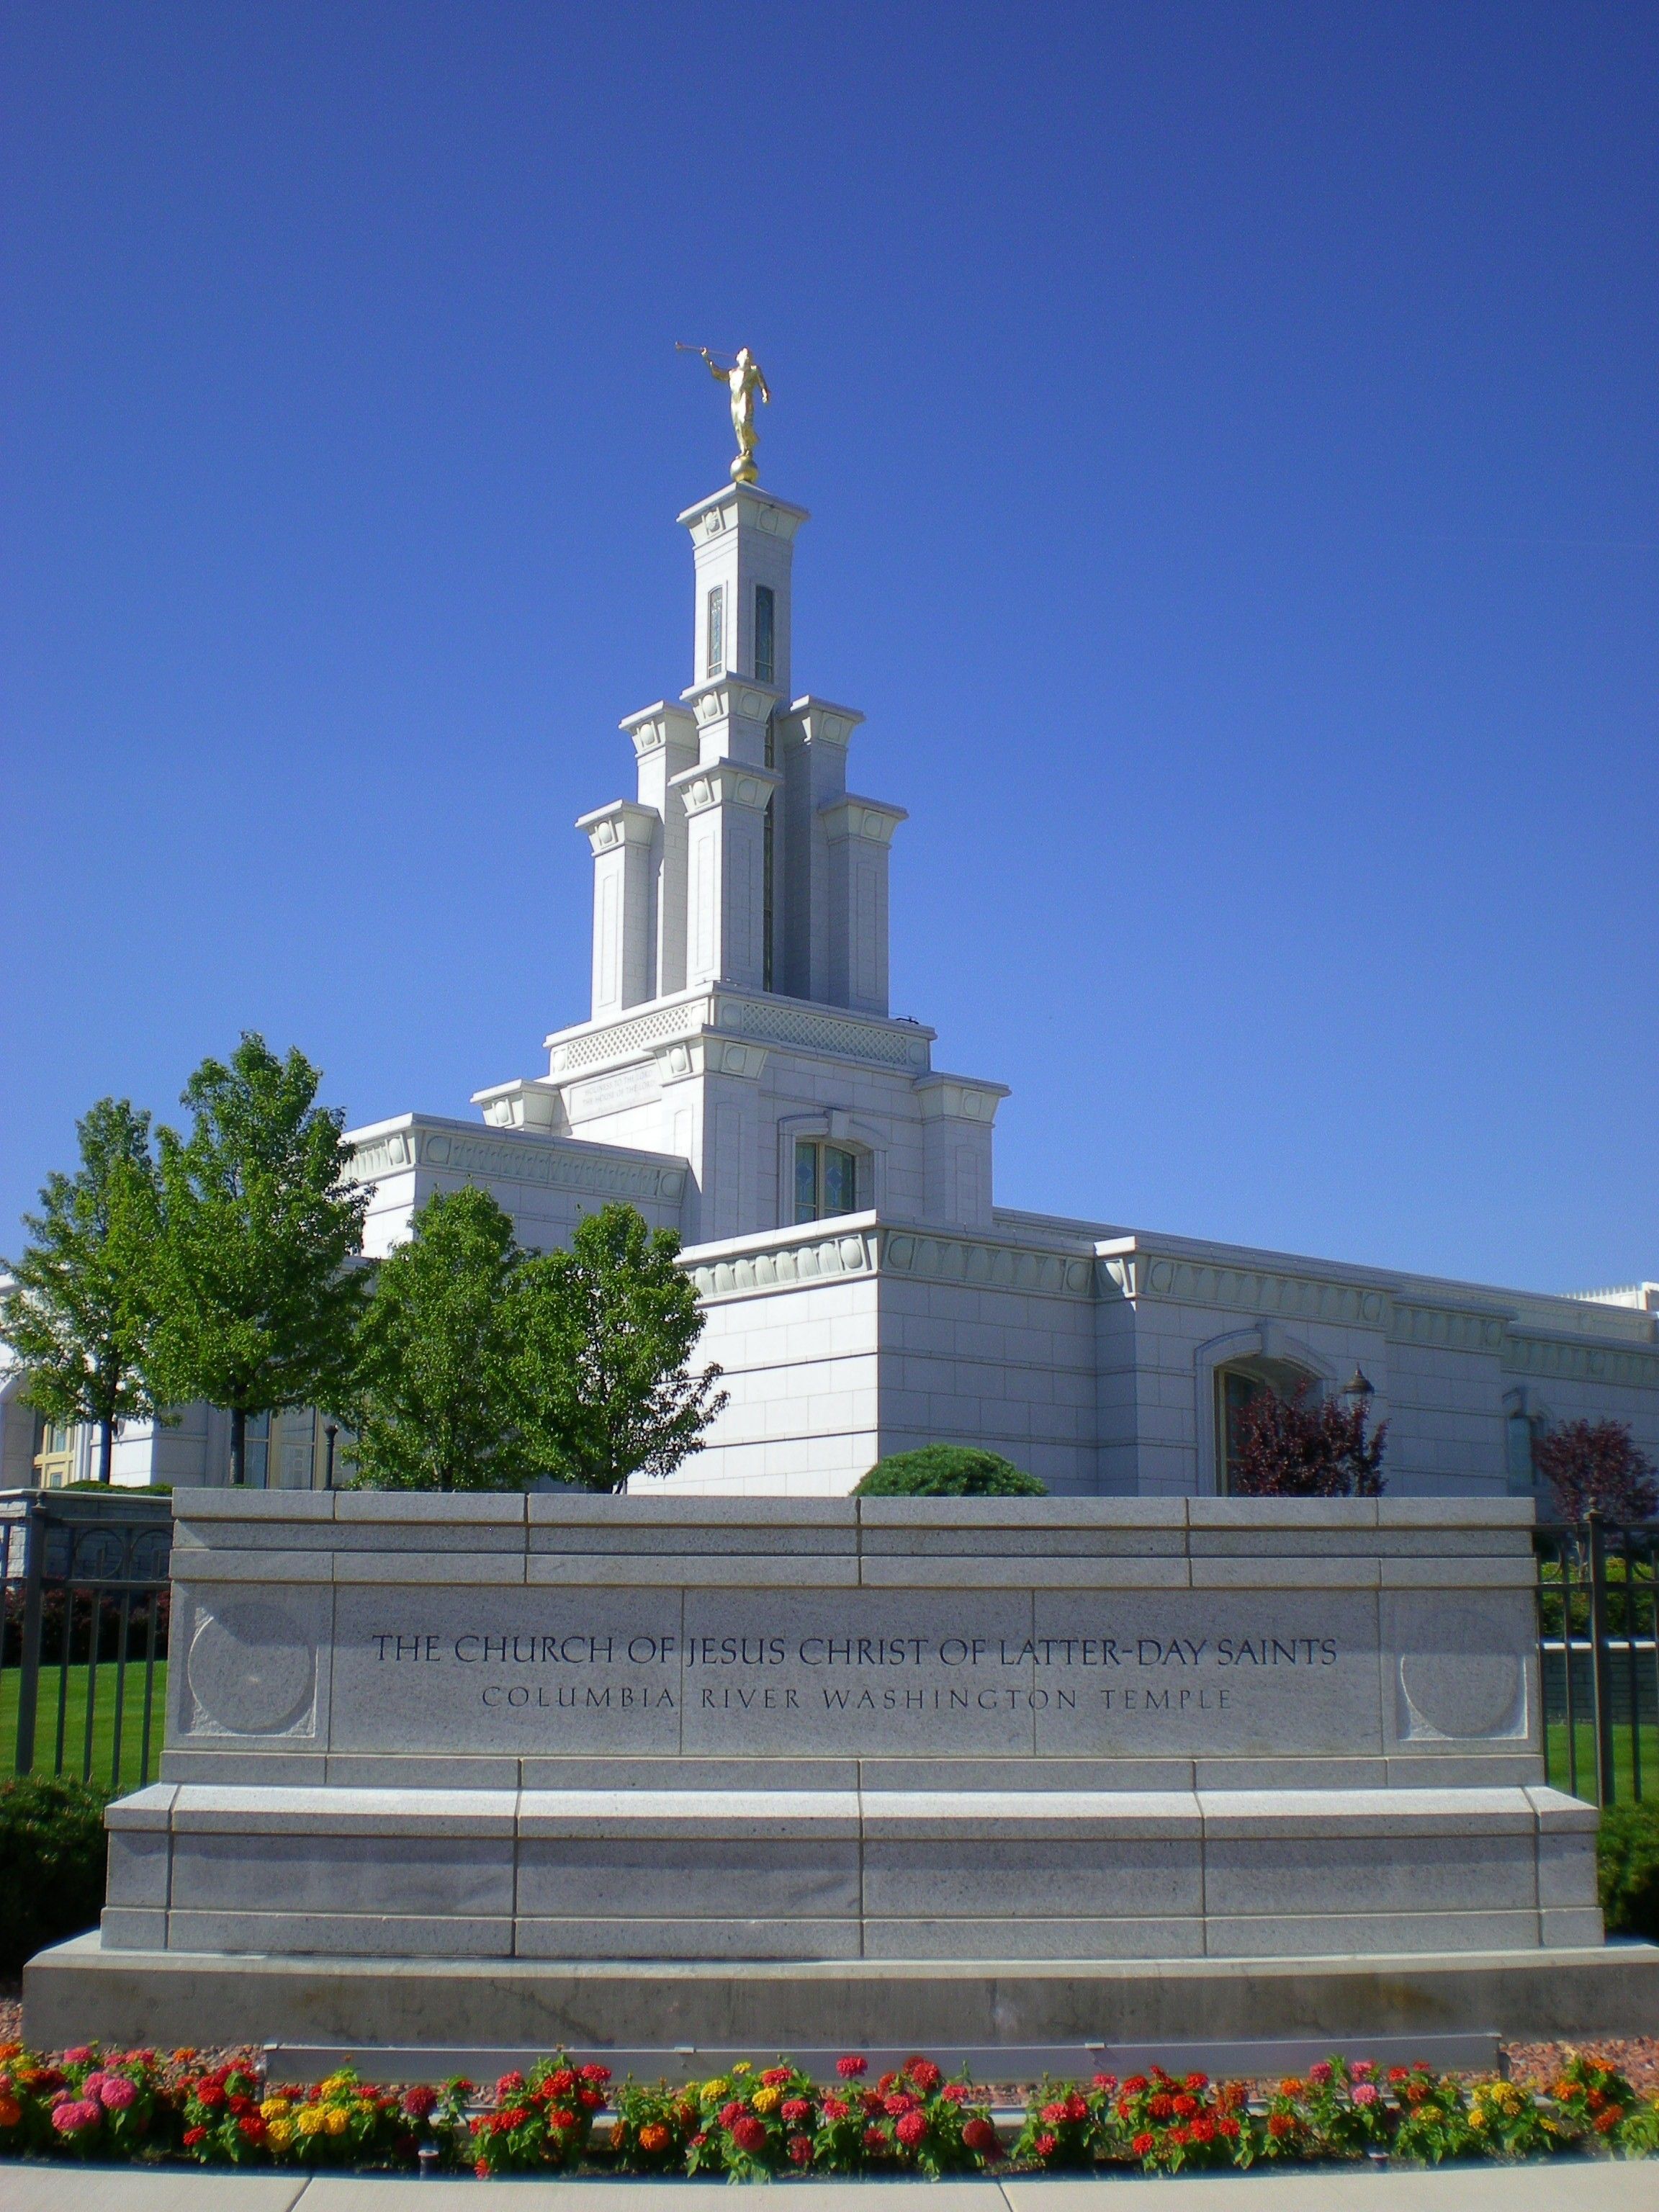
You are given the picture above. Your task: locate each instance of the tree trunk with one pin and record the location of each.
(106, 1450)
(238, 1445)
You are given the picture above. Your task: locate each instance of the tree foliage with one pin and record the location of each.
(602, 1340)
(81, 1314)
(257, 1303)
(434, 1407)
(487, 1368)
(1295, 1447)
(948, 1471)
(1596, 1467)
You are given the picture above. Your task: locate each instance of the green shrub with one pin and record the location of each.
(948, 1471)
(51, 1864)
(1627, 1858)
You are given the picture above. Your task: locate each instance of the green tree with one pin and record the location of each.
(602, 1337)
(435, 1407)
(258, 1304)
(948, 1471)
(79, 1314)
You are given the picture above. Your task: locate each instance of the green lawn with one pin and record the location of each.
(1622, 1762)
(74, 1724)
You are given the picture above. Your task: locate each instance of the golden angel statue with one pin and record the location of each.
(742, 379)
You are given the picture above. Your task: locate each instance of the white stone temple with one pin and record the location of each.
(740, 1078)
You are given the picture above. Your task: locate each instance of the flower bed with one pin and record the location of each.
(746, 2125)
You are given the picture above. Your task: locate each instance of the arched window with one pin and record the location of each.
(1235, 1385)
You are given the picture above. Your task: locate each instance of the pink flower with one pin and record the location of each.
(76, 2113)
(81, 2056)
(1320, 2074)
(116, 2093)
(1364, 2092)
(1362, 2069)
(836, 2108)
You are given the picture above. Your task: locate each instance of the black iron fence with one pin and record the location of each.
(1598, 1643)
(83, 1640)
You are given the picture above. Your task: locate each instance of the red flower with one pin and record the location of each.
(800, 2149)
(209, 2092)
(599, 2073)
(1399, 2074)
(193, 2136)
(729, 2114)
(1055, 2111)
(850, 2068)
(1230, 2129)
(1107, 2082)
(1162, 2106)
(1134, 2085)
(911, 2129)
(593, 2099)
(1197, 2081)
(836, 2108)
(1606, 2122)
(1280, 2124)
(900, 2102)
(981, 2138)
(1203, 2129)
(775, 2077)
(923, 2072)
(419, 2100)
(874, 2140)
(482, 2169)
(699, 2139)
(560, 2119)
(958, 2092)
(252, 2127)
(872, 2101)
(1046, 2145)
(1185, 2105)
(748, 2133)
(1177, 2134)
(509, 2083)
(1142, 2144)
(561, 2083)
(794, 2108)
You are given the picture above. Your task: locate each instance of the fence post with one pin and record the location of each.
(1601, 1669)
(28, 1679)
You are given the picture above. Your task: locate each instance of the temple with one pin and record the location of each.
(740, 1078)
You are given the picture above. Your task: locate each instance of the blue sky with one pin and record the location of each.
(1231, 438)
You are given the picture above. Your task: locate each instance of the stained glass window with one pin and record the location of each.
(826, 1182)
(717, 631)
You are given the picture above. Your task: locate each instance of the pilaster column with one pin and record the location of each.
(622, 836)
(726, 868)
(812, 754)
(665, 745)
(859, 832)
(957, 1118)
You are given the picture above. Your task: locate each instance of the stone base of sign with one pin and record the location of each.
(765, 1874)
(79, 1990)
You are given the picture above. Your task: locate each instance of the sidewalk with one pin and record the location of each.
(1572, 2186)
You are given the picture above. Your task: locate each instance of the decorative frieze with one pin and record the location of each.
(888, 1045)
(559, 1164)
(1552, 1359)
(1444, 1328)
(997, 1266)
(786, 1266)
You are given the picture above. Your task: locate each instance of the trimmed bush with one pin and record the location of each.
(1627, 1856)
(51, 1864)
(948, 1471)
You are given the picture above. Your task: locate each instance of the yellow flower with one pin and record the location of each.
(280, 2133)
(1477, 2117)
(766, 2100)
(313, 2120)
(335, 2121)
(717, 2088)
(743, 2067)
(336, 2082)
(274, 2108)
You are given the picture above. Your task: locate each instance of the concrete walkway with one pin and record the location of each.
(1571, 2186)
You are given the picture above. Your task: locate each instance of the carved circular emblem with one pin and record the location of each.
(1464, 1692)
(251, 1669)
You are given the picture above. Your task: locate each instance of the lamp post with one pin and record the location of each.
(331, 1430)
(1359, 1389)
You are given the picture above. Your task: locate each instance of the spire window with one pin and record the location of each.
(766, 659)
(826, 1182)
(715, 657)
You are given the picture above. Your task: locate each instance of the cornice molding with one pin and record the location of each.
(870, 819)
(725, 783)
(933, 1257)
(786, 1266)
(625, 822)
(544, 1163)
(1554, 1359)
